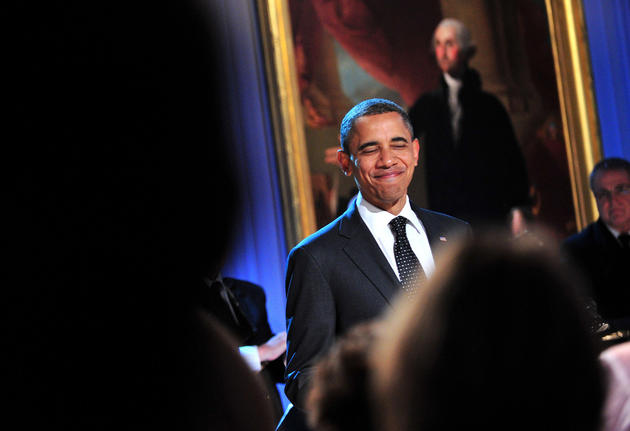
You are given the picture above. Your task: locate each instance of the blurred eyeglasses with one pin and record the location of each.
(620, 190)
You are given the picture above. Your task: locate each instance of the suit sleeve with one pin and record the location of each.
(253, 301)
(310, 314)
(254, 296)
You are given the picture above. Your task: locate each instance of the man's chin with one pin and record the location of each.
(617, 223)
(387, 202)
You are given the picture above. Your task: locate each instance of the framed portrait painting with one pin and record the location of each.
(322, 57)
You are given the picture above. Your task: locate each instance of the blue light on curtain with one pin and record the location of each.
(258, 249)
(608, 29)
(257, 252)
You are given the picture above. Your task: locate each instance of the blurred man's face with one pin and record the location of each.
(612, 193)
(448, 53)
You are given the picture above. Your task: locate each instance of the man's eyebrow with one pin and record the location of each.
(367, 144)
(613, 187)
(399, 139)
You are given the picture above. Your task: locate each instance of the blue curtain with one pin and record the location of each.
(608, 29)
(257, 252)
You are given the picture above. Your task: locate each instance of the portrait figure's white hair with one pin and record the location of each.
(462, 34)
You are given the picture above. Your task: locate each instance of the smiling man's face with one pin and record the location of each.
(382, 159)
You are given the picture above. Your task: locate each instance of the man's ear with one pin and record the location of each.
(416, 150)
(344, 162)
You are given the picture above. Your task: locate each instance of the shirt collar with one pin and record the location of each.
(452, 82)
(379, 218)
(615, 232)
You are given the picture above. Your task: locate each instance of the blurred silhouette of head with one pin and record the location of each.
(127, 165)
(340, 396)
(498, 340)
(126, 201)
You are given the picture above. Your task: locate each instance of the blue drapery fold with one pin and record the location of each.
(257, 252)
(608, 29)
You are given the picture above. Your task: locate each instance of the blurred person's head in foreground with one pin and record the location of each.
(499, 339)
(339, 398)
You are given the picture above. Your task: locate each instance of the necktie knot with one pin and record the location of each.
(624, 239)
(399, 226)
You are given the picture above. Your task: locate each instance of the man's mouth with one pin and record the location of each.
(388, 175)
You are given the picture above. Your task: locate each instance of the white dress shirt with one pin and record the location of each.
(251, 356)
(377, 221)
(454, 85)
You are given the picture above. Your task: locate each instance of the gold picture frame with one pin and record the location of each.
(286, 116)
(577, 101)
(575, 88)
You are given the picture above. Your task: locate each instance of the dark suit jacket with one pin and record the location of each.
(600, 257)
(480, 176)
(250, 301)
(337, 278)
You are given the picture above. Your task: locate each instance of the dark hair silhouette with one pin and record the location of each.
(339, 398)
(609, 164)
(125, 202)
(499, 340)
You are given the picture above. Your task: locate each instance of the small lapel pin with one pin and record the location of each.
(443, 239)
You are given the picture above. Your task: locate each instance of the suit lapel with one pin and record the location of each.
(362, 249)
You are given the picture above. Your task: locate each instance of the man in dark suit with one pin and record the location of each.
(240, 306)
(475, 169)
(601, 249)
(351, 270)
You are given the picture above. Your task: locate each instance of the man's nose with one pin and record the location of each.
(386, 158)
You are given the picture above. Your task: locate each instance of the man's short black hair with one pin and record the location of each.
(366, 108)
(609, 164)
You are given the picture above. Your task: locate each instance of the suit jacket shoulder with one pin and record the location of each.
(591, 240)
(442, 230)
(430, 109)
(321, 239)
(599, 257)
(441, 221)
